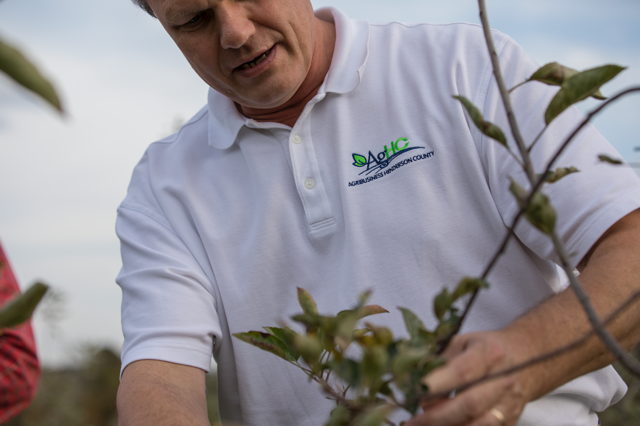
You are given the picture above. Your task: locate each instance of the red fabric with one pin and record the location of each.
(19, 367)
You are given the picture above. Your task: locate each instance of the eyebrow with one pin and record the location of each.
(178, 17)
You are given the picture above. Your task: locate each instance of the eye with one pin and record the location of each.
(196, 22)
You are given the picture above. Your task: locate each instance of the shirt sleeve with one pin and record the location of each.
(19, 367)
(586, 203)
(168, 304)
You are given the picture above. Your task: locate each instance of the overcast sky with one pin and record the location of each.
(124, 84)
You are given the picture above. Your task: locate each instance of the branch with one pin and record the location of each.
(533, 361)
(535, 189)
(612, 344)
(504, 92)
(584, 123)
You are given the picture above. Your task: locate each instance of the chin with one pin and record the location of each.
(270, 100)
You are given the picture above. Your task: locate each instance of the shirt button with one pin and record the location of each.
(309, 183)
(297, 139)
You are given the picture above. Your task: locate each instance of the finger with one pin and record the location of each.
(467, 407)
(427, 404)
(475, 362)
(493, 417)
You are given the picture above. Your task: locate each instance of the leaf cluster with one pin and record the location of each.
(387, 375)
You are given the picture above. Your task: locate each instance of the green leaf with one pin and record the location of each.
(309, 347)
(468, 285)
(442, 303)
(311, 321)
(445, 328)
(364, 311)
(518, 191)
(287, 337)
(340, 416)
(345, 323)
(607, 159)
(407, 360)
(373, 416)
(369, 310)
(487, 128)
(264, 341)
(16, 66)
(555, 74)
(381, 335)
(540, 213)
(307, 303)
(413, 325)
(21, 308)
(580, 87)
(360, 332)
(348, 370)
(359, 160)
(552, 177)
(374, 362)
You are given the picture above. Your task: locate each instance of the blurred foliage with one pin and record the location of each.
(16, 66)
(21, 307)
(86, 395)
(364, 393)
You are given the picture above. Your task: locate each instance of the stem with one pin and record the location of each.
(536, 187)
(530, 362)
(537, 138)
(504, 92)
(612, 344)
(518, 85)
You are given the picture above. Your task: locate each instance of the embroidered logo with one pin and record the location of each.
(385, 158)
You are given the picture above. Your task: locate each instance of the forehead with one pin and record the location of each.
(177, 10)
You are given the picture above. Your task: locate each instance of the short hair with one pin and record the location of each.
(144, 6)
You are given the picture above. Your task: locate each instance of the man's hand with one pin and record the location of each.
(471, 357)
(610, 273)
(158, 393)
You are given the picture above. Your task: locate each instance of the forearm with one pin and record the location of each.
(157, 393)
(611, 275)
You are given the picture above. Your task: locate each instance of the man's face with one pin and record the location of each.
(256, 52)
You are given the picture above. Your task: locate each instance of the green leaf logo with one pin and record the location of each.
(359, 160)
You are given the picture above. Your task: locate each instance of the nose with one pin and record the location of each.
(235, 26)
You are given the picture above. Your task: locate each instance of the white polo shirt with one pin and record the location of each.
(384, 184)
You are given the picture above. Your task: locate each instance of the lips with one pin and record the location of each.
(256, 61)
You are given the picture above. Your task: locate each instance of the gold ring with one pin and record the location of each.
(498, 415)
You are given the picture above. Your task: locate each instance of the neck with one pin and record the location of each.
(288, 113)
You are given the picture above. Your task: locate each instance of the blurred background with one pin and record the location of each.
(124, 84)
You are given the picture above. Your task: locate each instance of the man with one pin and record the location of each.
(331, 156)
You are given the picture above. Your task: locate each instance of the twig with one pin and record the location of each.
(530, 362)
(612, 344)
(535, 189)
(332, 392)
(537, 138)
(584, 123)
(504, 92)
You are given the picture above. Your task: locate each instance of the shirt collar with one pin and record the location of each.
(346, 71)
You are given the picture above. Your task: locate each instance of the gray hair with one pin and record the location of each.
(144, 6)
